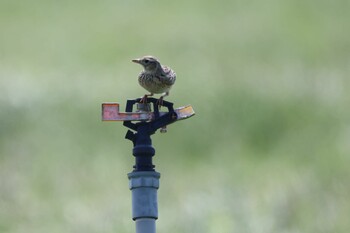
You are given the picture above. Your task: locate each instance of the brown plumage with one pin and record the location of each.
(155, 78)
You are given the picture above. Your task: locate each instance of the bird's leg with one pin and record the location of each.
(160, 101)
(144, 98)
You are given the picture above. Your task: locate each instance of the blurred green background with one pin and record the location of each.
(268, 150)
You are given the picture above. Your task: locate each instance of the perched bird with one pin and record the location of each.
(155, 78)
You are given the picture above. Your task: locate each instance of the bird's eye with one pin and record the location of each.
(146, 61)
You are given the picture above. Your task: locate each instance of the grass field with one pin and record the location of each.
(267, 152)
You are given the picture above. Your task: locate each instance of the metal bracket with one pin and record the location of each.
(144, 115)
(111, 112)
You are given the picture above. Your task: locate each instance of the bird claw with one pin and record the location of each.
(160, 102)
(144, 99)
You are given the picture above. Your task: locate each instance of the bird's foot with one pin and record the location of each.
(144, 99)
(160, 102)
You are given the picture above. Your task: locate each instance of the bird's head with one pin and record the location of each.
(149, 63)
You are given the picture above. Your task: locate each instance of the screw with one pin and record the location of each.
(163, 129)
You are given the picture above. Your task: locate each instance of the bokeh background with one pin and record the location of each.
(268, 150)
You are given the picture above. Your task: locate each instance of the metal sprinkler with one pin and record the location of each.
(144, 180)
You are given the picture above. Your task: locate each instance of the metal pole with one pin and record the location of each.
(144, 186)
(145, 225)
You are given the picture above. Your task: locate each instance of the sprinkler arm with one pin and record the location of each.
(111, 112)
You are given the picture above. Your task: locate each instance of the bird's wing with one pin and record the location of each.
(169, 75)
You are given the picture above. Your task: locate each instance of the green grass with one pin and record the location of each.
(268, 150)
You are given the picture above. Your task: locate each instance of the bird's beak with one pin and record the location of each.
(136, 60)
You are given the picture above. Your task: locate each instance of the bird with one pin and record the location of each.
(155, 78)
